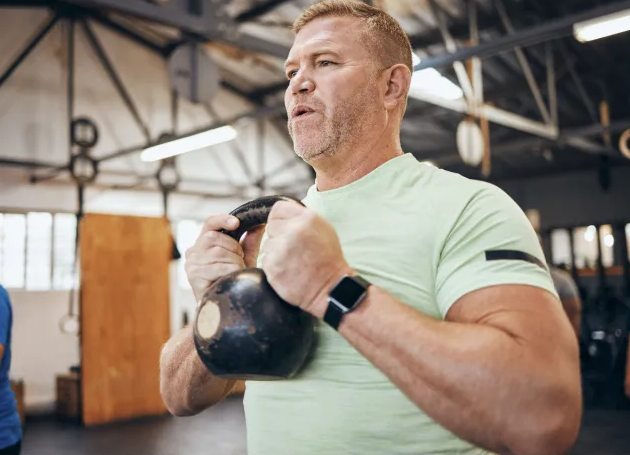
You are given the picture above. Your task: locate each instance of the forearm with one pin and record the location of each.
(479, 382)
(186, 385)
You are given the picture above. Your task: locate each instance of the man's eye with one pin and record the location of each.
(290, 74)
(325, 63)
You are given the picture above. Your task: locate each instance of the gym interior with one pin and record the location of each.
(96, 214)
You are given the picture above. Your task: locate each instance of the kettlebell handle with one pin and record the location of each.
(255, 213)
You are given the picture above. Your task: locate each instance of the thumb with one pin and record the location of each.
(251, 245)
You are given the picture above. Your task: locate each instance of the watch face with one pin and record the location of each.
(348, 292)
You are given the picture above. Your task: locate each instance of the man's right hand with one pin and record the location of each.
(215, 255)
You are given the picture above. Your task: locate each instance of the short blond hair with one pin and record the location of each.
(385, 35)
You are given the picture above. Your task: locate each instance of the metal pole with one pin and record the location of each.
(460, 70)
(258, 10)
(546, 32)
(28, 164)
(70, 89)
(586, 99)
(111, 72)
(28, 49)
(551, 85)
(477, 70)
(112, 25)
(525, 67)
(24, 3)
(174, 112)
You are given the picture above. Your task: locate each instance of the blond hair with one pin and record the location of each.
(384, 33)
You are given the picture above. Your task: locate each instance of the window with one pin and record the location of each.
(64, 234)
(561, 247)
(37, 251)
(187, 233)
(585, 247)
(12, 250)
(607, 240)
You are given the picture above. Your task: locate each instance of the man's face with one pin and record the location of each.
(331, 74)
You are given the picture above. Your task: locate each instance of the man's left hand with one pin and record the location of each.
(302, 256)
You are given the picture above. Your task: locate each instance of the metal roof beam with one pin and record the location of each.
(24, 3)
(211, 24)
(258, 10)
(549, 31)
(568, 137)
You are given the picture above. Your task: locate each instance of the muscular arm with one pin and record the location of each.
(573, 309)
(501, 372)
(186, 386)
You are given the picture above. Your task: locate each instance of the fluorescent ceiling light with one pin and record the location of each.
(188, 144)
(430, 80)
(602, 27)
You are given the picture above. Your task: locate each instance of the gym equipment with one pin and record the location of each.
(84, 133)
(604, 330)
(470, 142)
(243, 329)
(603, 341)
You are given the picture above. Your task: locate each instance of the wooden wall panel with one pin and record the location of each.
(124, 315)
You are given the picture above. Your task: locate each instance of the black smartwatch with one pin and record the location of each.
(345, 297)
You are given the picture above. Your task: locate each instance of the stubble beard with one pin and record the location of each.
(341, 127)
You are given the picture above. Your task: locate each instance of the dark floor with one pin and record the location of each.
(218, 431)
(221, 431)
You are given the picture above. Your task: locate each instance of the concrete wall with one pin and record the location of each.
(574, 199)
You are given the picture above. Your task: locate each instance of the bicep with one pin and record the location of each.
(529, 314)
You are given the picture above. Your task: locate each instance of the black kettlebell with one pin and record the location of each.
(243, 329)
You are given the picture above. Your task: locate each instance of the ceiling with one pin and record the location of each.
(253, 35)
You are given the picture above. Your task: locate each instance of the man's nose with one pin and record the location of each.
(302, 83)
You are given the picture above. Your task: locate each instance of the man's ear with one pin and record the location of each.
(398, 79)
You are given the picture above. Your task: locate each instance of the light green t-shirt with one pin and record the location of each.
(421, 234)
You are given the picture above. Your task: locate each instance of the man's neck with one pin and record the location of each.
(347, 166)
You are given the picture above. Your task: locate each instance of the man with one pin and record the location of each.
(10, 425)
(460, 345)
(569, 296)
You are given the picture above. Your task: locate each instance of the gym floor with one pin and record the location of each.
(221, 431)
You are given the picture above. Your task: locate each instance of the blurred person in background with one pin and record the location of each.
(10, 425)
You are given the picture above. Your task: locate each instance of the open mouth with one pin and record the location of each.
(302, 112)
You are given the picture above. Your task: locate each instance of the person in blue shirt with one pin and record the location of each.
(10, 425)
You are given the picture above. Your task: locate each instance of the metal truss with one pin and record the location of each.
(71, 15)
(525, 38)
(471, 81)
(203, 19)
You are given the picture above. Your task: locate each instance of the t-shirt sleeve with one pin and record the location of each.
(491, 242)
(5, 316)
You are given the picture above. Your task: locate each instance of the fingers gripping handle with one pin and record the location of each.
(254, 213)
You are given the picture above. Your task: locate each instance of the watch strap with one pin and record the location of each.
(334, 312)
(333, 315)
